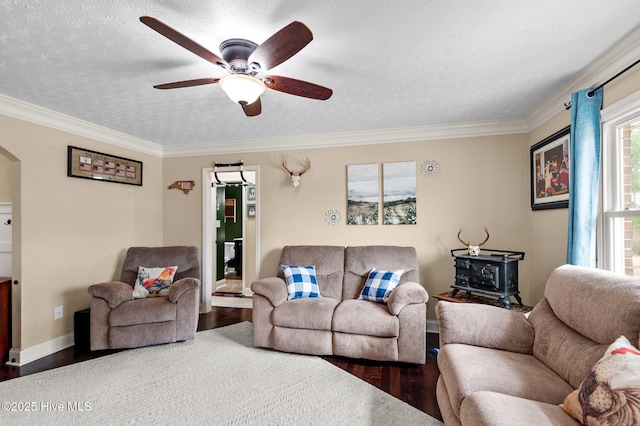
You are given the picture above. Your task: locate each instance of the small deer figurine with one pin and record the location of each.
(473, 250)
(295, 177)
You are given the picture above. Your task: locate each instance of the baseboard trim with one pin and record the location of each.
(432, 326)
(232, 302)
(20, 357)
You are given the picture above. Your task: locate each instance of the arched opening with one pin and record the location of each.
(10, 252)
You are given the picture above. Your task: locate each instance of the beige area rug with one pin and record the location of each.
(218, 378)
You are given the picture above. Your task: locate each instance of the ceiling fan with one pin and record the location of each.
(244, 60)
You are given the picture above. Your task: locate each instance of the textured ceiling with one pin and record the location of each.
(391, 64)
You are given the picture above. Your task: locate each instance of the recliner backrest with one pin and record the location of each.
(584, 310)
(185, 257)
(598, 304)
(329, 263)
(360, 260)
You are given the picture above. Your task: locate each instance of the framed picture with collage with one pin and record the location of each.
(86, 164)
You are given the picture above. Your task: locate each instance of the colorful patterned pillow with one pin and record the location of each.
(153, 282)
(301, 281)
(380, 284)
(610, 395)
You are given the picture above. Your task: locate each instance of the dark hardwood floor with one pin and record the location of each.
(414, 384)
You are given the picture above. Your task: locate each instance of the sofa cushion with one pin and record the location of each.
(143, 311)
(358, 261)
(308, 313)
(329, 263)
(153, 282)
(379, 285)
(301, 281)
(496, 409)
(611, 392)
(366, 347)
(134, 336)
(363, 317)
(301, 341)
(466, 369)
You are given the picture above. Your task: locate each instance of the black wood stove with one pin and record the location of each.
(493, 273)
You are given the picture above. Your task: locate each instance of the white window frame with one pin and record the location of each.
(610, 252)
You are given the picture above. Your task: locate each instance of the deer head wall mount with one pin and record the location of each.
(295, 176)
(473, 250)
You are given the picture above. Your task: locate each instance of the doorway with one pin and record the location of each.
(10, 336)
(230, 237)
(230, 230)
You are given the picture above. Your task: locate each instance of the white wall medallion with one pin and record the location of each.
(333, 217)
(430, 168)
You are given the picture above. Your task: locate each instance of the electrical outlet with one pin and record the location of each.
(58, 312)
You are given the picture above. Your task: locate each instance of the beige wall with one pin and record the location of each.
(6, 170)
(482, 181)
(548, 228)
(71, 232)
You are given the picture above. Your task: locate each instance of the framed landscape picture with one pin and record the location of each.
(399, 189)
(363, 197)
(551, 171)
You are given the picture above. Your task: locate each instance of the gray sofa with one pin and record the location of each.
(120, 321)
(338, 323)
(499, 367)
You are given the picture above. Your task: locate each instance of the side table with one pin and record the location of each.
(464, 297)
(82, 330)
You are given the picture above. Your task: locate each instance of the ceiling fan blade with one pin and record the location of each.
(281, 46)
(187, 83)
(251, 110)
(298, 87)
(182, 40)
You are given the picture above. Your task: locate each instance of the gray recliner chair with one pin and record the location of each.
(120, 321)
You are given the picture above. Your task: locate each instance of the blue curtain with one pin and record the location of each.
(584, 163)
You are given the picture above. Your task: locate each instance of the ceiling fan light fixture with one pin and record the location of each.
(242, 88)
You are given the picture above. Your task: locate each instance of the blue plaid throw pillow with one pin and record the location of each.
(301, 281)
(380, 284)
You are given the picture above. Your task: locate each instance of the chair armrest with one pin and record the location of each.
(485, 326)
(409, 293)
(113, 292)
(273, 288)
(181, 286)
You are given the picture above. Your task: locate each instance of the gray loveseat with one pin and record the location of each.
(338, 323)
(499, 367)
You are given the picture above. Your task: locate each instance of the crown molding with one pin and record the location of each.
(615, 59)
(332, 140)
(624, 107)
(46, 117)
(35, 114)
